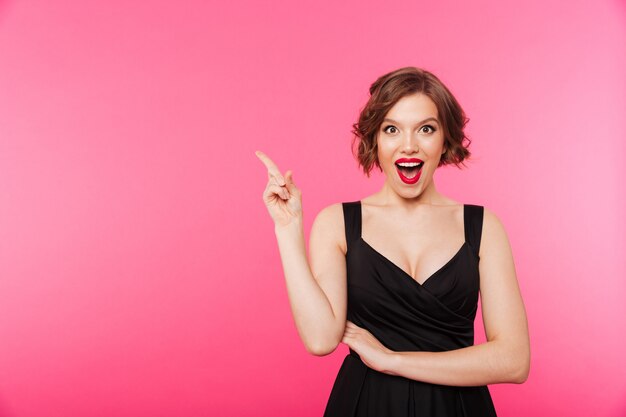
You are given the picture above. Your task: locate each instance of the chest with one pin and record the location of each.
(419, 247)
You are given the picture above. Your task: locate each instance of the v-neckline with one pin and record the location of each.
(404, 273)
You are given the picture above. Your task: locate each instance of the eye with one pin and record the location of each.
(430, 128)
(386, 129)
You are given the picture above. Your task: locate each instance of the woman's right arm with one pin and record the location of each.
(317, 290)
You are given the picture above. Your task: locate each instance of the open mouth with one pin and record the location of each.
(409, 170)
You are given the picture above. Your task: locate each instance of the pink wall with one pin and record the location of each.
(139, 274)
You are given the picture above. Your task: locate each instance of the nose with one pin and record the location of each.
(409, 143)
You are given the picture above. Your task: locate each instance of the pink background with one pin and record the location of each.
(139, 272)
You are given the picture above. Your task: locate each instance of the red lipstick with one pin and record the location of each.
(404, 178)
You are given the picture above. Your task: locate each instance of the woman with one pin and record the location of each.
(396, 276)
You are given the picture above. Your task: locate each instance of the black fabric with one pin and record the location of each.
(404, 315)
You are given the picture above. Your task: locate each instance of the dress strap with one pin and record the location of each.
(473, 219)
(352, 221)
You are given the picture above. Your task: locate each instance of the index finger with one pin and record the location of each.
(272, 169)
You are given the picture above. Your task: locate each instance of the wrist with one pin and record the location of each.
(393, 363)
(295, 225)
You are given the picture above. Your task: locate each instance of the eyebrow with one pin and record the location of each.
(434, 119)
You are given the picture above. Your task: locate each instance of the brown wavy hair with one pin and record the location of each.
(385, 93)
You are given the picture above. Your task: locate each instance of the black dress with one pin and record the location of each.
(404, 315)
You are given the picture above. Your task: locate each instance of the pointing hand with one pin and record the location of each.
(281, 196)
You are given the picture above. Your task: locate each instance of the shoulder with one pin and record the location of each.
(491, 221)
(331, 214)
(330, 222)
(493, 233)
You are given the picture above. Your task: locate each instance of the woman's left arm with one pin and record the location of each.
(504, 358)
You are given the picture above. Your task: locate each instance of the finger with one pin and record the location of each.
(274, 181)
(289, 182)
(272, 168)
(279, 177)
(279, 191)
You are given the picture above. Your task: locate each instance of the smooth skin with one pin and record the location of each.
(416, 228)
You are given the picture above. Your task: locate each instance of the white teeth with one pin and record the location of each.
(409, 164)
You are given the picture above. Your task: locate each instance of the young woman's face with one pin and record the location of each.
(410, 135)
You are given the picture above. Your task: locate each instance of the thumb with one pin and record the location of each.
(289, 181)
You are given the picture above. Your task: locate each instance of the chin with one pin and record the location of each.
(411, 193)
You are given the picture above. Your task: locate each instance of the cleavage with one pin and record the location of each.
(416, 256)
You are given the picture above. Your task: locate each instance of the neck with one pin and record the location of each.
(428, 196)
